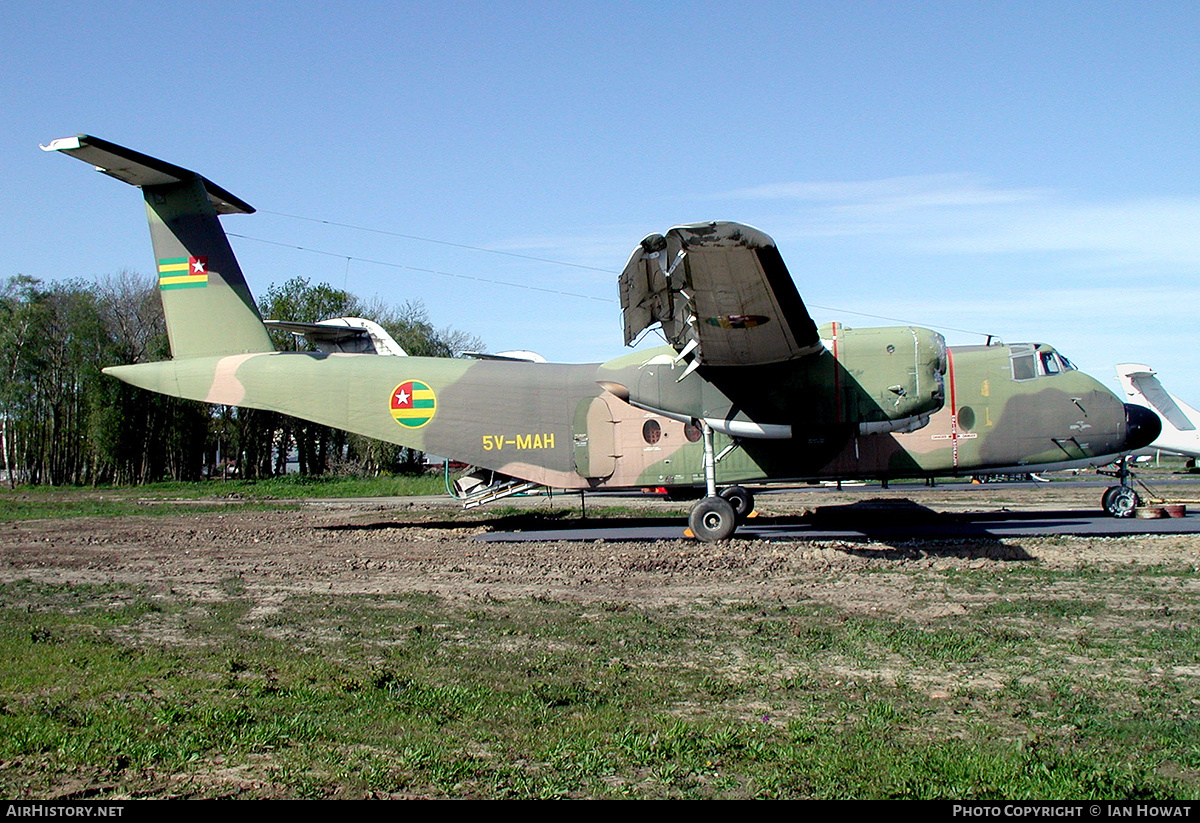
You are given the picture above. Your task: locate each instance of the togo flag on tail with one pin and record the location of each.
(206, 302)
(182, 273)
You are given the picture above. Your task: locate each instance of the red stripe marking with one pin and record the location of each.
(953, 408)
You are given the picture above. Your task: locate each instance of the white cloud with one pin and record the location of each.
(892, 194)
(1154, 229)
(961, 214)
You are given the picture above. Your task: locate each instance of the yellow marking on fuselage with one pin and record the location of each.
(499, 442)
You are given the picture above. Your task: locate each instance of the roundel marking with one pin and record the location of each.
(738, 321)
(413, 404)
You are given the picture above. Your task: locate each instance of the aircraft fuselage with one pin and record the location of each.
(563, 425)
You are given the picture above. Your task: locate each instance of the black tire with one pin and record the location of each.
(1120, 501)
(741, 500)
(1106, 500)
(712, 519)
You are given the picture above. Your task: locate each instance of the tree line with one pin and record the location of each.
(62, 422)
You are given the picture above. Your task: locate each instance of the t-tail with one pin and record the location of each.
(1180, 422)
(208, 307)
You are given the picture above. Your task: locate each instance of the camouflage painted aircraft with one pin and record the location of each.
(749, 390)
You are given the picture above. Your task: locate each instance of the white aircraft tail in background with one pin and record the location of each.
(1180, 422)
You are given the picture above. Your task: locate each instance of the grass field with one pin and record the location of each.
(1077, 681)
(111, 691)
(38, 502)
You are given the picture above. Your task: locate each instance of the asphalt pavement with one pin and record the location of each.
(871, 520)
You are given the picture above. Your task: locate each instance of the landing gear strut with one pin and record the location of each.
(716, 516)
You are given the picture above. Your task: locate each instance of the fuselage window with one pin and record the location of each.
(651, 432)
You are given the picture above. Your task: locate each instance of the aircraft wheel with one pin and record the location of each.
(1120, 501)
(712, 519)
(1106, 500)
(741, 500)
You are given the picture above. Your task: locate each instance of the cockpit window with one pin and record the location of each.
(1050, 363)
(1033, 360)
(1024, 364)
(1024, 368)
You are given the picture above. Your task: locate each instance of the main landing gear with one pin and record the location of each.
(717, 516)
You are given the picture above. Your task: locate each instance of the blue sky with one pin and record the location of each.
(1025, 169)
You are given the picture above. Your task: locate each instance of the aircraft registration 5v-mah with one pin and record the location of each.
(749, 390)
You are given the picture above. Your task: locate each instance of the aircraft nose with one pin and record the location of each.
(1142, 427)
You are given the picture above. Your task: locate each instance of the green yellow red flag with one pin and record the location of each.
(413, 404)
(182, 273)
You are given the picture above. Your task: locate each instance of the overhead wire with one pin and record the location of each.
(387, 233)
(456, 275)
(509, 283)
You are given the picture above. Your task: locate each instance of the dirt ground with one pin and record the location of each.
(396, 546)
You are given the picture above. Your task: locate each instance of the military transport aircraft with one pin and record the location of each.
(749, 389)
(1180, 422)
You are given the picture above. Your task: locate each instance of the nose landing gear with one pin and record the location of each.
(1122, 500)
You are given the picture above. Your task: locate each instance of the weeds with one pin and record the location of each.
(535, 700)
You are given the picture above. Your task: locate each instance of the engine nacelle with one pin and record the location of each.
(876, 380)
(891, 378)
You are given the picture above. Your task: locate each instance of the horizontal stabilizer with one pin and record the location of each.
(141, 170)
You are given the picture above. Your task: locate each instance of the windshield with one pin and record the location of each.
(1033, 360)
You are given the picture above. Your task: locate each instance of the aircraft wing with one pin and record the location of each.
(352, 335)
(721, 294)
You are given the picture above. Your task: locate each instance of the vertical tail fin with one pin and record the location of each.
(1143, 388)
(208, 306)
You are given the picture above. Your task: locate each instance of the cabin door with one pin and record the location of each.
(595, 437)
